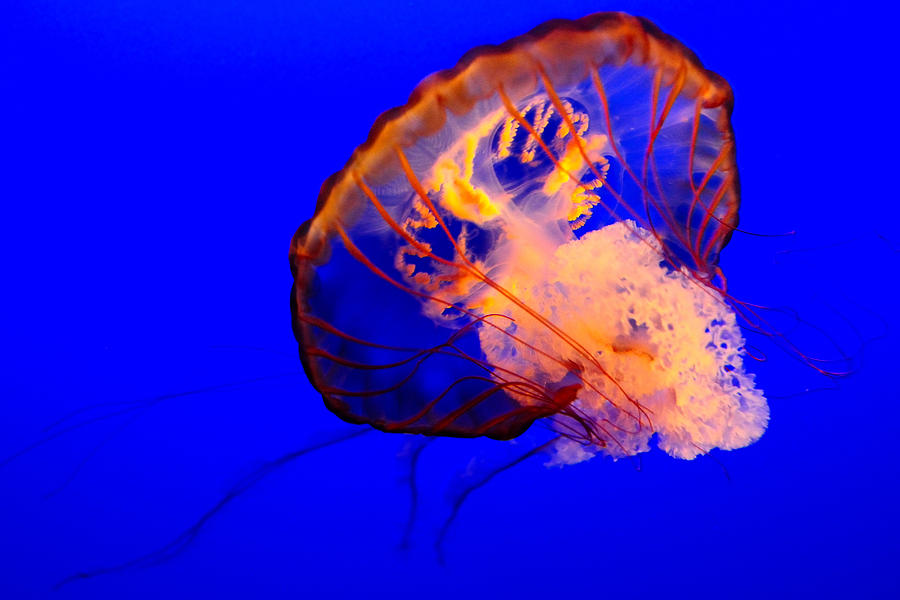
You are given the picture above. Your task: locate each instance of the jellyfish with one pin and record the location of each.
(535, 237)
(494, 332)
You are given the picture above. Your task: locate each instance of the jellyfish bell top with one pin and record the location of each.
(535, 236)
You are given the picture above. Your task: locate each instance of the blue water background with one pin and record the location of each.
(157, 157)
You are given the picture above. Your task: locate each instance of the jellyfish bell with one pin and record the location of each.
(535, 236)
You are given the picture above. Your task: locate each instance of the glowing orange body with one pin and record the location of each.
(535, 235)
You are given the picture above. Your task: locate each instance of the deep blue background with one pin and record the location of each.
(157, 157)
